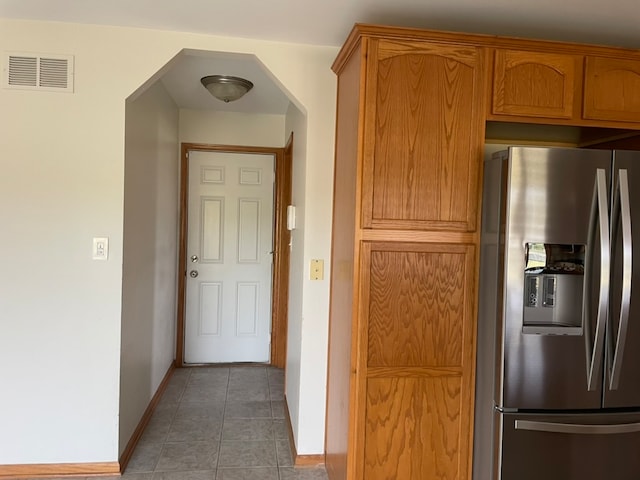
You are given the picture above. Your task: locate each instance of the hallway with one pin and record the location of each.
(222, 423)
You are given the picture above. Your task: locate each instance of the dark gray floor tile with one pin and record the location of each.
(166, 408)
(158, 426)
(249, 385)
(247, 474)
(128, 476)
(276, 392)
(195, 429)
(248, 393)
(248, 410)
(248, 454)
(201, 410)
(172, 394)
(275, 376)
(196, 475)
(280, 429)
(283, 452)
(144, 458)
(155, 432)
(306, 473)
(186, 456)
(248, 372)
(203, 394)
(180, 377)
(212, 377)
(247, 429)
(277, 409)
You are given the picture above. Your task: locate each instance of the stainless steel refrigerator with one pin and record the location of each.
(558, 375)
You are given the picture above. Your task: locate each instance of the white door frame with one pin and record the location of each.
(281, 237)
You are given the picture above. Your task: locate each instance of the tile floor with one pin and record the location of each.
(219, 423)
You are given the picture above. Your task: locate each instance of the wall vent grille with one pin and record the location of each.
(38, 72)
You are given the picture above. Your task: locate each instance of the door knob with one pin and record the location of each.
(193, 273)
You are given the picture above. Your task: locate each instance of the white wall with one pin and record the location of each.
(62, 182)
(150, 251)
(228, 128)
(296, 122)
(315, 307)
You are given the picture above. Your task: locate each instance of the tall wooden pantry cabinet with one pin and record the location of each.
(409, 150)
(414, 107)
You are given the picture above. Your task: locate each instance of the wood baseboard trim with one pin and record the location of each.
(309, 460)
(137, 433)
(59, 470)
(300, 460)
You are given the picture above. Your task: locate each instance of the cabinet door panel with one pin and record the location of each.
(415, 429)
(423, 136)
(535, 84)
(612, 89)
(417, 307)
(419, 337)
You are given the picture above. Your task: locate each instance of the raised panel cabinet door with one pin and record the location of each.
(424, 128)
(612, 89)
(536, 84)
(420, 360)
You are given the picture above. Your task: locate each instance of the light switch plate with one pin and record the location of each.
(317, 269)
(100, 248)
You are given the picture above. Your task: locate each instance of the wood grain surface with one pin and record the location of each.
(612, 89)
(537, 84)
(413, 429)
(423, 122)
(420, 337)
(416, 308)
(339, 439)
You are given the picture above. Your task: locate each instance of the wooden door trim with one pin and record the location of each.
(280, 275)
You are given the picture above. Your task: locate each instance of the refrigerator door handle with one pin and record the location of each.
(600, 216)
(576, 428)
(622, 199)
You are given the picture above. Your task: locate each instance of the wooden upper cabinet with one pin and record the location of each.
(424, 128)
(536, 84)
(612, 89)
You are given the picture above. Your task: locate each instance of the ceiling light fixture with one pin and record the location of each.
(226, 88)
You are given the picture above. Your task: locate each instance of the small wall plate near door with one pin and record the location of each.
(291, 217)
(317, 269)
(100, 248)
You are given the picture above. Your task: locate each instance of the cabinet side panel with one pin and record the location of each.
(342, 273)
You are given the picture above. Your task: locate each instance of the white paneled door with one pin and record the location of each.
(229, 257)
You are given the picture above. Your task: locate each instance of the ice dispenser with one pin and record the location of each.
(553, 283)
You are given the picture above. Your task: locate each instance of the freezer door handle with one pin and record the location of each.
(622, 212)
(599, 216)
(575, 428)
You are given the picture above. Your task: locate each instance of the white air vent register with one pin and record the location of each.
(51, 72)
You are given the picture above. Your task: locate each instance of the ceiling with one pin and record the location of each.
(328, 22)
(182, 81)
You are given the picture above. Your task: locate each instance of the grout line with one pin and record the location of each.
(224, 414)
